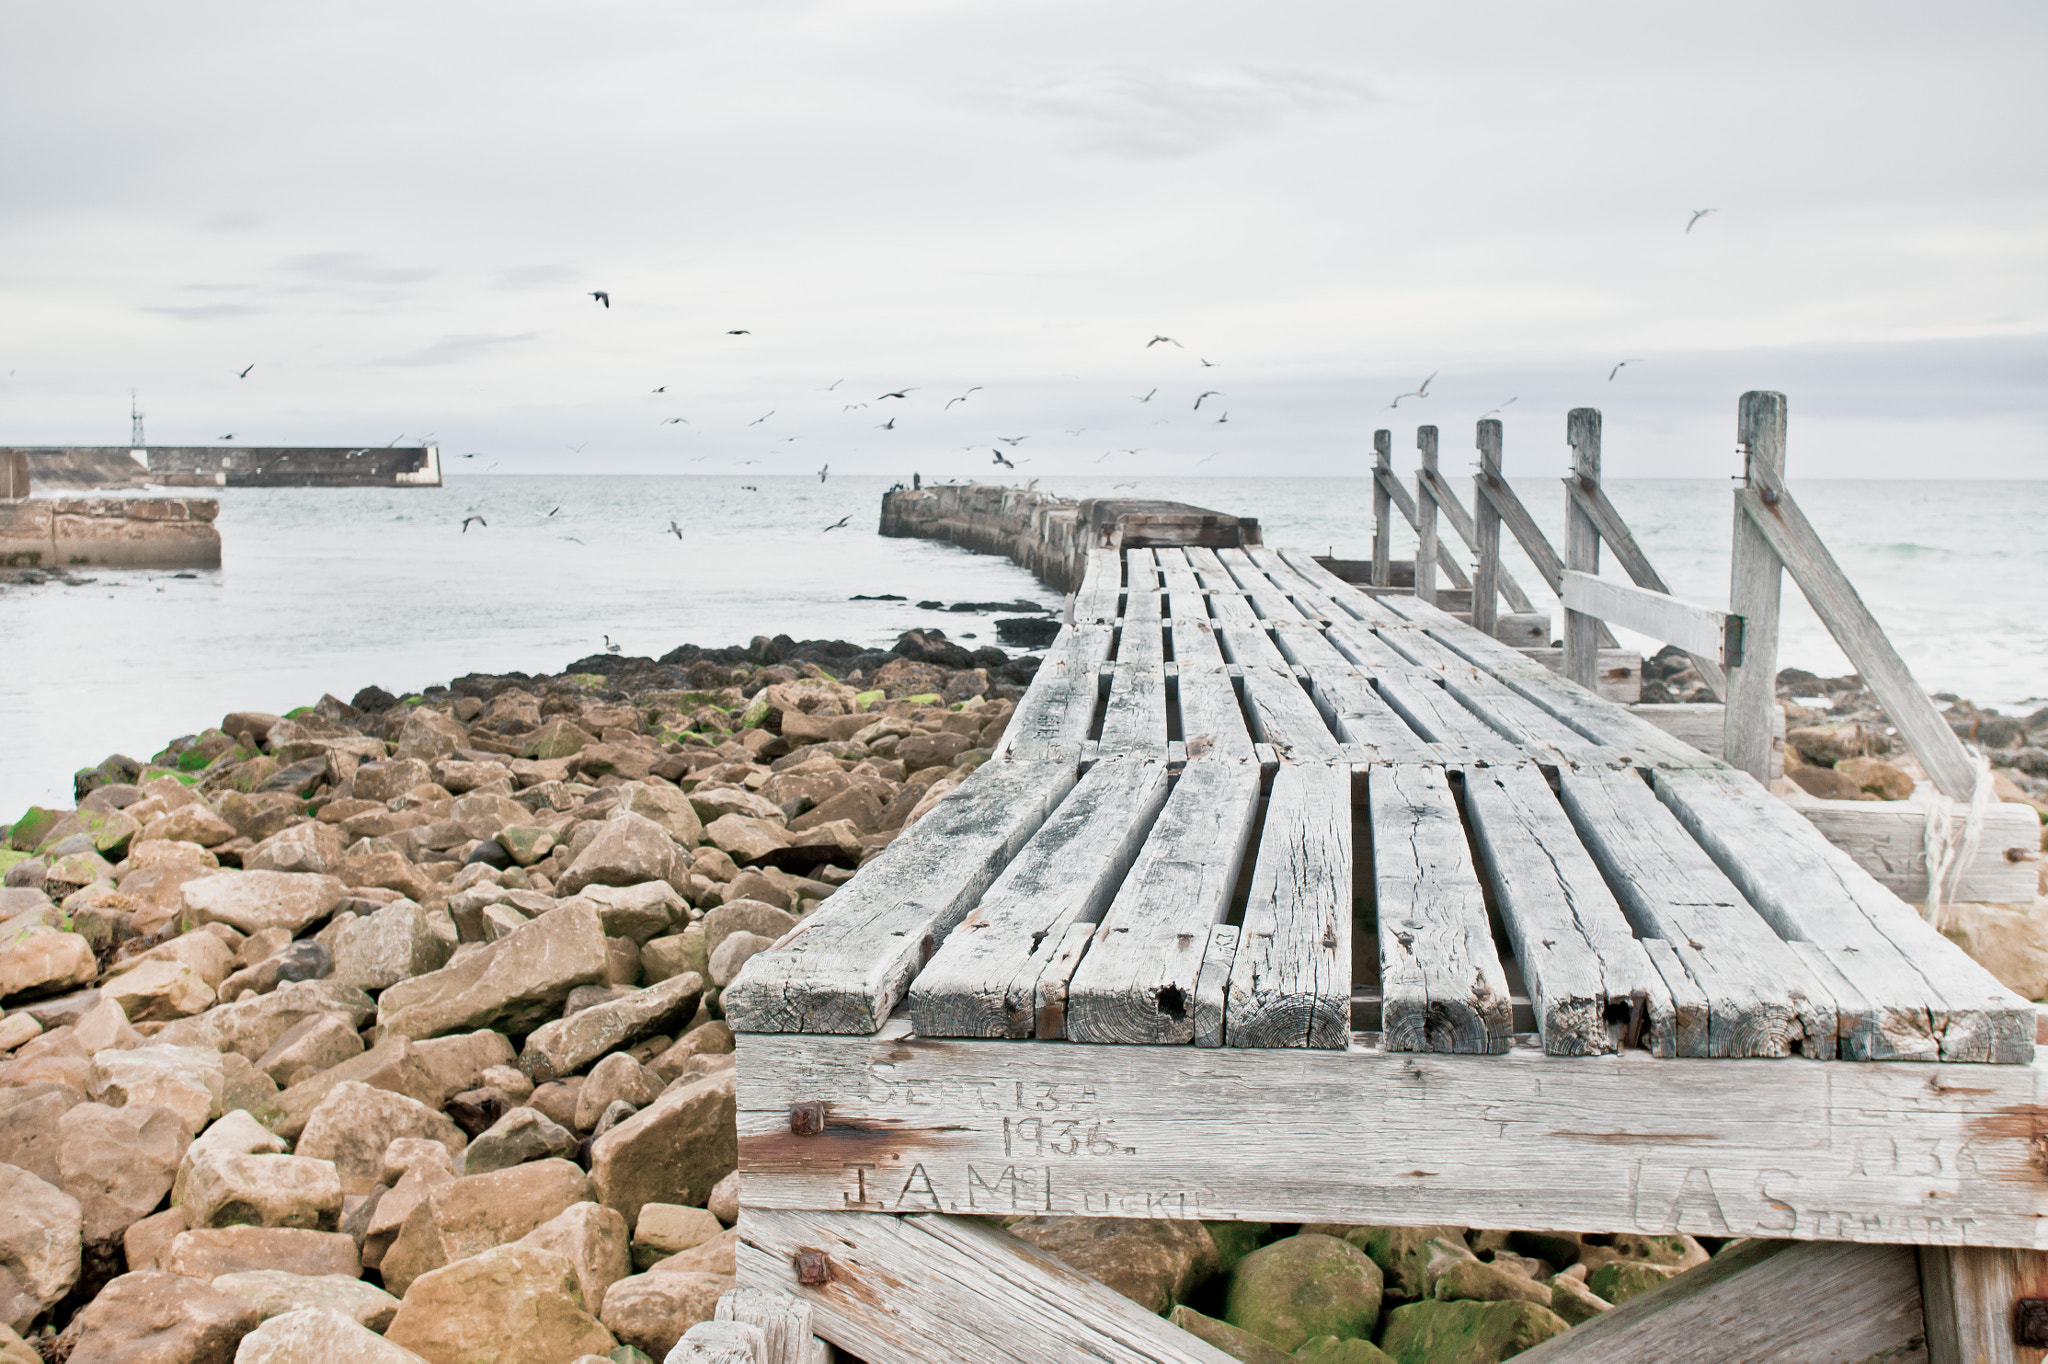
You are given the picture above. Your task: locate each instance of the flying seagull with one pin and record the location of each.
(245, 373)
(1698, 214)
(229, 436)
(478, 519)
(1207, 364)
(1224, 418)
(823, 471)
(1490, 411)
(889, 425)
(675, 530)
(763, 417)
(999, 458)
(662, 389)
(1077, 431)
(1147, 398)
(851, 406)
(963, 397)
(671, 421)
(1421, 392)
(840, 522)
(1633, 360)
(739, 331)
(903, 393)
(1104, 455)
(1212, 393)
(834, 384)
(602, 297)
(1157, 339)
(1012, 440)
(551, 513)
(1126, 485)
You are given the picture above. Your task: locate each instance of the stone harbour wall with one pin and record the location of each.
(110, 532)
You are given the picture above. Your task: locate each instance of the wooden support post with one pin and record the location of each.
(1382, 508)
(1756, 575)
(1984, 1305)
(1425, 517)
(1486, 532)
(1614, 533)
(1582, 546)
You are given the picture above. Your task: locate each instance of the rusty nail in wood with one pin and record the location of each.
(813, 1268)
(807, 1120)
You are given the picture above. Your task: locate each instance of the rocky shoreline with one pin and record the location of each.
(389, 1029)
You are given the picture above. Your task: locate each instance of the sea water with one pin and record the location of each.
(329, 590)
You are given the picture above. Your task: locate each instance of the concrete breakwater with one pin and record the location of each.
(1048, 535)
(109, 532)
(242, 466)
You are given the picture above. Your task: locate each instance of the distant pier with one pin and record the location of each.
(235, 466)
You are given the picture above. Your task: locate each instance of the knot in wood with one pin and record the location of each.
(2030, 1322)
(807, 1119)
(813, 1268)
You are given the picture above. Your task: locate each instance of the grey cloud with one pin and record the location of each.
(1129, 111)
(533, 277)
(453, 350)
(204, 312)
(352, 267)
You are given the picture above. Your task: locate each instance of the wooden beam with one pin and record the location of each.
(1699, 630)
(1592, 499)
(1427, 545)
(1405, 501)
(1581, 547)
(1768, 505)
(1703, 724)
(1495, 492)
(1485, 539)
(1290, 977)
(1888, 839)
(1382, 507)
(909, 1290)
(1756, 576)
(1461, 521)
(1812, 1150)
(1971, 1298)
(784, 1324)
(1814, 1302)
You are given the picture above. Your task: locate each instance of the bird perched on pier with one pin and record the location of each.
(610, 647)
(1698, 214)
(837, 524)
(1634, 360)
(478, 519)
(1421, 391)
(963, 397)
(602, 296)
(1212, 393)
(1000, 460)
(675, 530)
(245, 373)
(1157, 339)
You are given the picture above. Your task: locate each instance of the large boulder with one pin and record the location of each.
(159, 991)
(251, 1026)
(356, 1123)
(666, 806)
(1233, 1341)
(652, 1311)
(1155, 1263)
(470, 1215)
(320, 1335)
(629, 850)
(209, 1252)
(393, 1065)
(190, 1081)
(311, 846)
(1402, 1253)
(429, 734)
(223, 1189)
(515, 983)
(567, 1045)
(594, 1239)
(516, 1304)
(38, 960)
(236, 1134)
(1305, 1286)
(638, 912)
(315, 1044)
(40, 1246)
(274, 1293)
(156, 1318)
(396, 943)
(28, 1126)
(672, 1151)
(383, 781)
(119, 1162)
(521, 1135)
(251, 901)
(1467, 1332)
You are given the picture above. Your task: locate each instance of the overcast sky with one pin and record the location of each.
(394, 212)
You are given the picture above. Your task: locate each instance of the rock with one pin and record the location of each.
(118, 1162)
(1333, 1350)
(662, 958)
(236, 1134)
(1238, 1344)
(392, 1065)
(1305, 1286)
(319, 1042)
(194, 823)
(151, 1316)
(736, 951)
(384, 781)
(707, 1039)
(295, 961)
(653, 1310)
(145, 1242)
(187, 1080)
(159, 991)
(1876, 777)
(311, 846)
(207, 954)
(1467, 1332)
(355, 1123)
(558, 738)
(395, 943)
(28, 1126)
(470, 1215)
(255, 900)
(37, 960)
(567, 1045)
(429, 734)
(920, 751)
(227, 1190)
(516, 1304)
(1574, 1302)
(724, 1203)
(210, 1252)
(320, 1335)
(1619, 1280)
(637, 912)
(1154, 1263)
(257, 817)
(1679, 1251)
(672, 1151)
(274, 1293)
(593, 1239)
(518, 981)
(665, 1229)
(388, 870)
(251, 1026)
(459, 1062)
(522, 1135)
(40, 1246)
(745, 839)
(1402, 1253)
(715, 1256)
(1825, 782)
(743, 915)
(2007, 941)
(666, 806)
(629, 850)
(1475, 1281)
(617, 1077)
(526, 844)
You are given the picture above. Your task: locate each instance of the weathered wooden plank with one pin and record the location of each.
(1888, 839)
(1211, 716)
(1525, 724)
(983, 981)
(1925, 993)
(1485, 538)
(1906, 1152)
(784, 1323)
(1183, 590)
(1762, 999)
(1212, 985)
(1440, 976)
(1437, 716)
(1310, 596)
(1367, 648)
(1817, 1303)
(720, 1342)
(1755, 581)
(1283, 715)
(1134, 717)
(1052, 721)
(1592, 500)
(844, 968)
(1053, 980)
(1495, 492)
(909, 1290)
(1347, 597)
(1836, 602)
(1101, 587)
(1617, 673)
(1588, 979)
(1699, 630)
(1306, 646)
(1267, 597)
(1290, 981)
(1248, 645)
(1581, 546)
(1354, 709)
(1970, 1297)
(1703, 725)
(1427, 544)
(1382, 507)
(1137, 983)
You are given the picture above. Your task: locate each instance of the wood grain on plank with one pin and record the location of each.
(1266, 597)
(1762, 1001)
(1137, 983)
(1058, 709)
(1439, 973)
(1362, 605)
(1438, 716)
(1756, 579)
(845, 967)
(1354, 709)
(1290, 983)
(1212, 985)
(1095, 603)
(983, 981)
(1284, 715)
